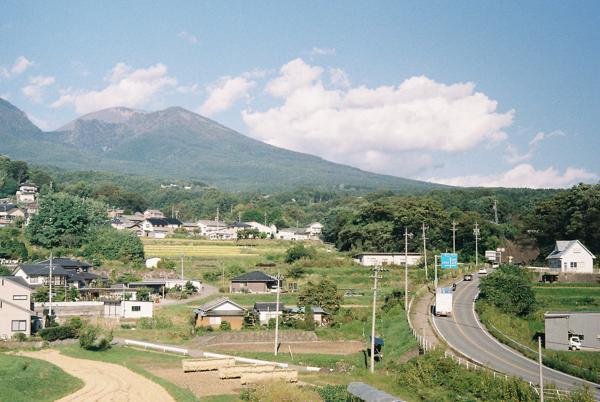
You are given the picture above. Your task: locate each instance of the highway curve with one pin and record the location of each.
(464, 333)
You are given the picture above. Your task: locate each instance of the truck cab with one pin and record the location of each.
(574, 342)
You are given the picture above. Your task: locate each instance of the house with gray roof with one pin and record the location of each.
(213, 313)
(253, 282)
(571, 256)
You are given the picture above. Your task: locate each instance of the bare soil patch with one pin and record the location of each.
(202, 384)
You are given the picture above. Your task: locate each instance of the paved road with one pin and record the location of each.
(207, 290)
(464, 333)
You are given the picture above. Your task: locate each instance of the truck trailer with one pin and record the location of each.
(443, 302)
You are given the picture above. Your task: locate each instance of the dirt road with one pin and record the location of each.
(104, 381)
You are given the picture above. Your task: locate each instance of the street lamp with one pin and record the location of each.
(476, 233)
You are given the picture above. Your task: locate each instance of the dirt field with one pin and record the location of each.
(104, 381)
(323, 347)
(201, 383)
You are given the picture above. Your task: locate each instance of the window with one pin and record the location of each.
(136, 308)
(18, 325)
(19, 297)
(34, 279)
(573, 264)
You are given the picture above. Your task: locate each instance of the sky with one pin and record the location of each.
(465, 93)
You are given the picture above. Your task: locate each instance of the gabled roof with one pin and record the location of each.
(240, 225)
(209, 222)
(254, 276)
(164, 221)
(207, 308)
(42, 270)
(295, 230)
(17, 281)
(67, 263)
(268, 306)
(562, 246)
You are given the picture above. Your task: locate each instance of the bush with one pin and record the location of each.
(297, 252)
(19, 337)
(58, 333)
(225, 326)
(296, 271)
(336, 393)
(509, 289)
(278, 391)
(88, 339)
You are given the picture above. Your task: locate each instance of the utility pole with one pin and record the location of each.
(50, 291)
(265, 219)
(435, 268)
(376, 276)
(277, 314)
(496, 211)
(541, 366)
(239, 216)
(406, 236)
(454, 237)
(476, 233)
(217, 214)
(425, 250)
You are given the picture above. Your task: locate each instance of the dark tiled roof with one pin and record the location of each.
(254, 276)
(164, 221)
(42, 270)
(268, 306)
(67, 263)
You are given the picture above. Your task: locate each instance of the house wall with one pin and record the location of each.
(371, 260)
(8, 291)
(265, 316)
(145, 309)
(236, 322)
(8, 314)
(587, 324)
(252, 287)
(576, 254)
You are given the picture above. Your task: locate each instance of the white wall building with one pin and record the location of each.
(378, 259)
(571, 256)
(268, 230)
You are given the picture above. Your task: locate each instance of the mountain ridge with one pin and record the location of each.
(179, 144)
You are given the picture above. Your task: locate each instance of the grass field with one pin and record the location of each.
(25, 379)
(138, 361)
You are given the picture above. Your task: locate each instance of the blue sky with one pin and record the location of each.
(467, 93)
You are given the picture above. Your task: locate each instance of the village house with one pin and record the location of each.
(153, 213)
(208, 227)
(267, 310)
(379, 259)
(159, 228)
(293, 234)
(269, 231)
(65, 272)
(15, 307)
(253, 282)
(10, 213)
(27, 193)
(315, 229)
(213, 313)
(319, 315)
(571, 256)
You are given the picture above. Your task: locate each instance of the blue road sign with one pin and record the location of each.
(449, 261)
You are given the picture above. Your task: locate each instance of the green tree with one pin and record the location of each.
(41, 295)
(297, 252)
(10, 245)
(323, 294)
(509, 289)
(5, 271)
(65, 221)
(112, 244)
(309, 318)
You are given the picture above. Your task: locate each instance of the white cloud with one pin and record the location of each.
(539, 137)
(225, 93)
(126, 87)
(344, 124)
(35, 88)
(322, 51)
(339, 78)
(524, 175)
(512, 153)
(20, 65)
(188, 37)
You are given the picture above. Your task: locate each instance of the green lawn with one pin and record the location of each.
(25, 379)
(136, 360)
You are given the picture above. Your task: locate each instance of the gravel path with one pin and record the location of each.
(104, 381)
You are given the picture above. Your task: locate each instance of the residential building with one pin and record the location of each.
(379, 259)
(209, 227)
(27, 193)
(267, 310)
(315, 229)
(160, 227)
(117, 308)
(9, 213)
(293, 234)
(212, 314)
(15, 307)
(269, 231)
(561, 326)
(571, 256)
(153, 213)
(253, 282)
(37, 275)
(319, 315)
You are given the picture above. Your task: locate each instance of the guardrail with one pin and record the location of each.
(423, 343)
(152, 346)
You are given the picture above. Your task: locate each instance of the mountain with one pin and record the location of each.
(178, 144)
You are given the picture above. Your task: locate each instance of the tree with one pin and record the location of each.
(323, 294)
(509, 289)
(189, 288)
(5, 271)
(112, 244)
(309, 318)
(41, 295)
(10, 246)
(297, 252)
(65, 220)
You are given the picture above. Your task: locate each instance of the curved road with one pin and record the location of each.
(464, 333)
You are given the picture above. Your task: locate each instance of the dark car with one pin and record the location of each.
(453, 287)
(468, 277)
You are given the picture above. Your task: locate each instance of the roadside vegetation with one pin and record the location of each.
(23, 379)
(512, 309)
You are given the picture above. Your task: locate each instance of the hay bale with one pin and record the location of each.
(236, 371)
(190, 365)
(282, 375)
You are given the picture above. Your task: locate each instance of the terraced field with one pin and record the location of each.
(207, 248)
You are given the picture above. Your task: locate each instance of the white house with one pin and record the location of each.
(160, 227)
(268, 230)
(267, 311)
(15, 307)
(571, 256)
(208, 227)
(27, 193)
(378, 259)
(315, 229)
(293, 234)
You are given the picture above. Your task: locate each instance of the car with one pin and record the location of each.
(468, 278)
(482, 271)
(453, 287)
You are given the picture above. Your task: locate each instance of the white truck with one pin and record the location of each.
(443, 302)
(574, 342)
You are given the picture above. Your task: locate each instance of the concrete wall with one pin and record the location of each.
(145, 309)
(558, 326)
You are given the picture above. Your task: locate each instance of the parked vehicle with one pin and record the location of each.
(574, 343)
(468, 278)
(453, 287)
(443, 302)
(482, 271)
